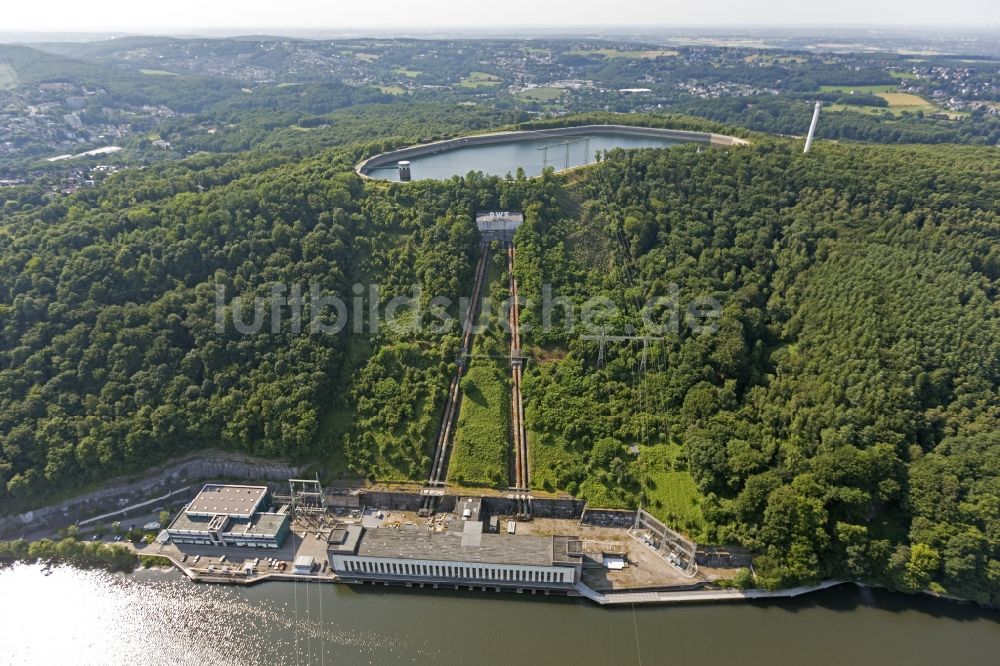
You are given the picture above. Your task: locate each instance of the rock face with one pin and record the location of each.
(173, 478)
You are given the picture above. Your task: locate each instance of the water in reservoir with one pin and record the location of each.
(503, 158)
(69, 616)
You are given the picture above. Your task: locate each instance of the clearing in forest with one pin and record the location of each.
(481, 444)
(8, 77)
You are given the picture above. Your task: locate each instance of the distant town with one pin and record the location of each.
(161, 100)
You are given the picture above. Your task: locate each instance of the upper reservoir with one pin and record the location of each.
(504, 153)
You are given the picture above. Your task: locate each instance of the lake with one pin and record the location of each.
(157, 616)
(499, 159)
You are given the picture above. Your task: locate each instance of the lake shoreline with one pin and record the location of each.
(661, 597)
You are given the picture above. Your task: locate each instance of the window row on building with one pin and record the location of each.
(466, 571)
(267, 543)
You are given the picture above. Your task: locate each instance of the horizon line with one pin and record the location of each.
(250, 31)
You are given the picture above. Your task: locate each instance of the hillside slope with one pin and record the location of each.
(841, 420)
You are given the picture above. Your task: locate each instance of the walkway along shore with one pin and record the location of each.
(660, 597)
(699, 596)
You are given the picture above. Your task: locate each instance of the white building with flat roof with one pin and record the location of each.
(230, 515)
(235, 501)
(498, 224)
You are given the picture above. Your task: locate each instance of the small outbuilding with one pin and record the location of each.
(303, 564)
(613, 562)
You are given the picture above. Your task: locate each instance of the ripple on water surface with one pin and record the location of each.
(158, 617)
(63, 615)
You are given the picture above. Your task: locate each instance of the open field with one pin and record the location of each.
(409, 73)
(480, 452)
(860, 89)
(367, 57)
(541, 94)
(768, 59)
(907, 101)
(157, 72)
(871, 110)
(599, 494)
(392, 90)
(547, 455)
(480, 80)
(615, 53)
(899, 103)
(671, 489)
(8, 77)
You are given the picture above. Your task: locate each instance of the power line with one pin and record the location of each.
(635, 625)
(631, 276)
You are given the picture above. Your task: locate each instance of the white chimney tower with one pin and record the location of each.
(812, 128)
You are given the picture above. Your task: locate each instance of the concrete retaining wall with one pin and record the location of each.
(722, 557)
(345, 500)
(393, 501)
(608, 518)
(557, 508)
(435, 147)
(402, 501)
(540, 508)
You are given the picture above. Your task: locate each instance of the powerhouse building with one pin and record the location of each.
(466, 556)
(230, 515)
(498, 225)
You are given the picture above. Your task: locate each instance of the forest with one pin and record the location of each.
(791, 115)
(831, 420)
(840, 420)
(163, 99)
(110, 556)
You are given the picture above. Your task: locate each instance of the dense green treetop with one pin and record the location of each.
(841, 421)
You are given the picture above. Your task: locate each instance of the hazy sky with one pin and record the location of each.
(273, 15)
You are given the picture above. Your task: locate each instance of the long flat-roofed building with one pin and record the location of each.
(230, 515)
(466, 556)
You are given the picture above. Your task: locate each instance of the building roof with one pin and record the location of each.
(237, 501)
(419, 543)
(259, 525)
(344, 539)
(566, 549)
(614, 562)
(189, 523)
(472, 533)
(467, 508)
(504, 215)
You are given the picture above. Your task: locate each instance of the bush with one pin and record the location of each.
(481, 442)
(149, 561)
(114, 557)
